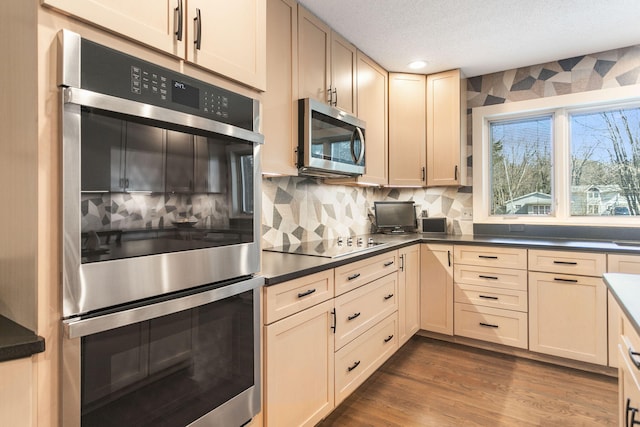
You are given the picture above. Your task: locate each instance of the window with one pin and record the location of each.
(565, 159)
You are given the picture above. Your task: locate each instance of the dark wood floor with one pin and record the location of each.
(434, 383)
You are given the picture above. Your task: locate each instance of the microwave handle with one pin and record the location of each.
(357, 159)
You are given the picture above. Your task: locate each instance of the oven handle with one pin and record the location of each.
(79, 327)
(83, 97)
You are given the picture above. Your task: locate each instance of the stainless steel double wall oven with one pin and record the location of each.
(161, 233)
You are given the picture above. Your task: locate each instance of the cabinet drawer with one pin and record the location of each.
(490, 256)
(288, 298)
(581, 263)
(358, 310)
(356, 361)
(491, 324)
(358, 273)
(494, 277)
(508, 299)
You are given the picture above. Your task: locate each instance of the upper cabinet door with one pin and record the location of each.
(407, 133)
(343, 73)
(444, 132)
(314, 56)
(229, 37)
(151, 22)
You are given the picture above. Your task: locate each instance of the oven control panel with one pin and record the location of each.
(114, 73)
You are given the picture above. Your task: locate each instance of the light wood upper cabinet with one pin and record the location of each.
(444, 131)
(280, 102)
(229, 37)
(372, 100)
(150, 22)
(326, 63)
(232, 35)
(436, 288)
(407, 130)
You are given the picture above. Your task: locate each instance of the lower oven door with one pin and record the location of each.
(190, 360)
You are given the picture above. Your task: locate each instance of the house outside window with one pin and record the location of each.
(567, 159)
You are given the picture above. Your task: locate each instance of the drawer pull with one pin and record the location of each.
(353, 276)
(634, 411)
(487, 277)
(335, 320)
(353, 316)
(387, 264)
(565, 262)
(304, 294)
(559, 279)
(632, 356)
(487, 256)
(389, 338)
(354, 366)
(488, 325)
(488, 297)
(386, 297)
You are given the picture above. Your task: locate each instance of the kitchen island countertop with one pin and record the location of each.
(626, 290)
(17, 342)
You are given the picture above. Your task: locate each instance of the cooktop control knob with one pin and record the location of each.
(360, 241)
(349, 241)
(339, 241)
(370, 241)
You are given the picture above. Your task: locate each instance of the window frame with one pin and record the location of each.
(559, 107)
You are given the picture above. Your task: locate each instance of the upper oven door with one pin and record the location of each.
(155, 200)
(332, 140)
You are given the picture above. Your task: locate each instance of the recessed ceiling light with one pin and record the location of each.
(416, 65)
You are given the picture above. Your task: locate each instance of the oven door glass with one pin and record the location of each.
(150, 188)
(171, 370)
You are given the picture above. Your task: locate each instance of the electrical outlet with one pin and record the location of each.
(467, 214)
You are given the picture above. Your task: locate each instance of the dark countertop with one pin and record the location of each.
(626, 290)
(17, 342)
(278, 267)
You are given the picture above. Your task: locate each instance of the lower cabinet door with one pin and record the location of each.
(299, 360)
(356, 361)
(491, 324)
(568, 316)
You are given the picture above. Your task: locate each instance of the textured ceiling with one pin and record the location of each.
(480, 36)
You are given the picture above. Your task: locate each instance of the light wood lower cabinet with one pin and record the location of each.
(628, 372)
(436, 288)
(568, 316)
(299, 367)
(16, 393)
(408, 293)
(356, 361)
(617, 263)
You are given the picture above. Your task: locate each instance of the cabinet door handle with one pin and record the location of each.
(565, 262)
(487, 256)
(488, 325)
(198, 21)
(401, 262)
(329, 96)
(304, 294)
(487, 277)
(629, 409)
(353, 276)
(488, 297)
(389, 338)
(335, 101)
(455, 173)
(560, 279)
(353, 316)
(387, 264)
(178, 11)
(335, 320)
(632, 356)
(386, 297)
(449, 258)
(424, 174)
(354, 366)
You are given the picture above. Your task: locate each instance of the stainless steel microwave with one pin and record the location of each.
(331, 143)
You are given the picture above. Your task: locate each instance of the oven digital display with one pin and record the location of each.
(184, 94)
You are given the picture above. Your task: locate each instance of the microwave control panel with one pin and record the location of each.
(117, 74)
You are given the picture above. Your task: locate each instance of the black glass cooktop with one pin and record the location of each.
(330, 248)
